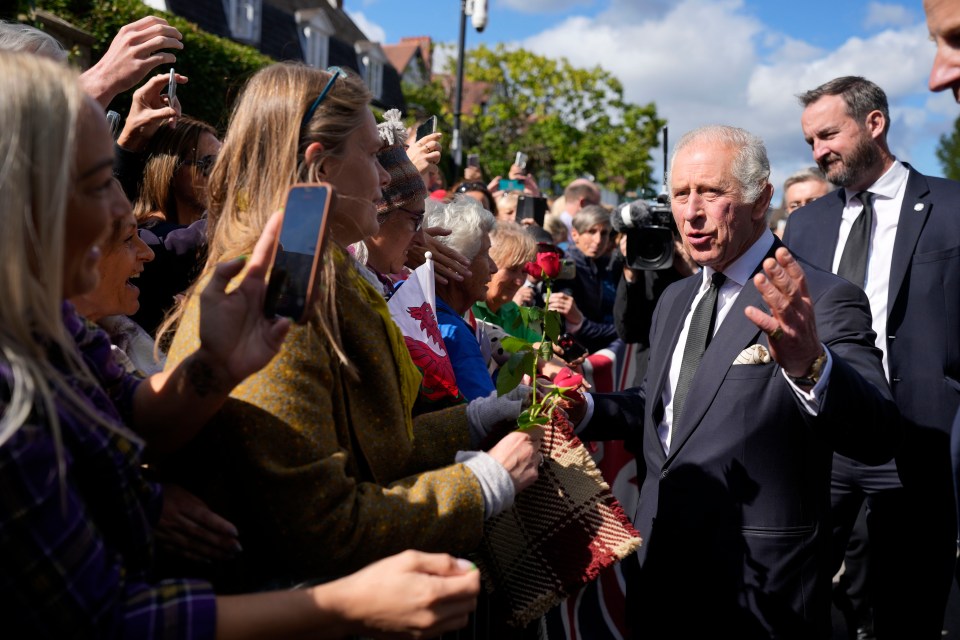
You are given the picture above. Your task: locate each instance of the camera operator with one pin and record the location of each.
(580, 300)
(655, 258)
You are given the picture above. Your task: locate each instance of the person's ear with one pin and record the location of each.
(313, 157)
(875, 123)
(763, 202)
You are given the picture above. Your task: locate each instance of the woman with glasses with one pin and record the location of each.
(399, 212)
(179, 160)
(76, 512)
(170, 211)
(317, 458)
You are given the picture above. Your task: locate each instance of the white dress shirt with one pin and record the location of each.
(888, 199)
(737, 274)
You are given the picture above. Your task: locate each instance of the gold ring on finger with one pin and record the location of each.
(776, 334)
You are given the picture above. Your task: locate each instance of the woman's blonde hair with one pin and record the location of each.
(263, 154)
(40, 107)
(511, 245)
(166, 152)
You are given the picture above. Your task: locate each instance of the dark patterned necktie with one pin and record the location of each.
(853, 261)
(698, 337)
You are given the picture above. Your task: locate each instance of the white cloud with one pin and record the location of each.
(541, 6)
(887, 15)
(373, 31)
(705, 62)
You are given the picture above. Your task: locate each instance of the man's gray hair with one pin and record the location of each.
(466, 219)
(859, 94)
(807, 174)
(751, 168)
(16, 36)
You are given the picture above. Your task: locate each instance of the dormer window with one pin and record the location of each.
(244, 19)
(371, 59)
(373, 75)
(315, 32)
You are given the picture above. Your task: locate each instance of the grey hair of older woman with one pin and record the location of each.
(466, 219)
(15, 36)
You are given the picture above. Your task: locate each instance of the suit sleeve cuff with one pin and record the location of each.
(812, 400)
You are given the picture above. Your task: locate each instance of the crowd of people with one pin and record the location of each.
(177, 463)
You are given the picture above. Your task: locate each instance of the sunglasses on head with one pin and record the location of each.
(472, 186)
(335, 72)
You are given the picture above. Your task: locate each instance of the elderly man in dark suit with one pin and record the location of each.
(896, 234)
(759, 369)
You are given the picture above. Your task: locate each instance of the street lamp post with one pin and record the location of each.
(455, 144)
(478, 10)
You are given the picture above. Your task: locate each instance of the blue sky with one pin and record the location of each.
(737, 62)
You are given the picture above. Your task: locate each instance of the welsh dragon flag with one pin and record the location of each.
(413, 308)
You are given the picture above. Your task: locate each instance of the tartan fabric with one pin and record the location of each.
(76, 547)
(598, 610)
(560, 534)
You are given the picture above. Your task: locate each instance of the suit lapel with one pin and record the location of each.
(736, 333)
(913, 216)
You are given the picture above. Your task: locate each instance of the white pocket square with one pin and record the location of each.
(754, 354)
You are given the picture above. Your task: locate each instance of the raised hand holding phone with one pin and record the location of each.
(429, 126)
(297, 251)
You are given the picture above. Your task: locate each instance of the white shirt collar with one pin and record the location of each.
(887, 186)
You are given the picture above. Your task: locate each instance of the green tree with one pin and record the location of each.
(948, 152)
(569, 121)
(217, 67)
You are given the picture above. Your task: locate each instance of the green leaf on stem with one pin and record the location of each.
(526, 421)
(512, 372)
(546, 350)
(513, 345)
(551, 325)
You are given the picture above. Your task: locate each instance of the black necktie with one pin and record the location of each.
(698, 337)
(853, 261)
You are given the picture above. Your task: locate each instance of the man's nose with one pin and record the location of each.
(693, 206)
(944, 75)
(819, 150)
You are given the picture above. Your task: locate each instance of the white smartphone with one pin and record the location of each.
(172, 87)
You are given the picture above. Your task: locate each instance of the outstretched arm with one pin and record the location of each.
(236, 340)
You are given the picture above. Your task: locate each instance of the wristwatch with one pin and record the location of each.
(812, 376)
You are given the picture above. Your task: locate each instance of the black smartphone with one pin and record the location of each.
(473, 160)
(571, 348)
(172, 86)
(531, 207)
(428, 127)
(297, 252)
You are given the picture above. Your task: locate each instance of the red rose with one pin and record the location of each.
(550, 263)
(533, 269)
(567, 379)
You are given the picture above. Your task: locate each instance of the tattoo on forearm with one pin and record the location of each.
(202, 378)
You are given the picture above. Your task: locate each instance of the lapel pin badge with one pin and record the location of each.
(918, 206)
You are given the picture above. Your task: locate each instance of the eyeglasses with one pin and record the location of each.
(204, 164)
(337, 72)
(416, 217)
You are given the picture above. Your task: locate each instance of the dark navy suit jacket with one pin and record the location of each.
(735, 520)
(923, 317)
(923, 329)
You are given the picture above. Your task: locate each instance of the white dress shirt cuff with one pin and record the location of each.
(812, 400)
(587, 415)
